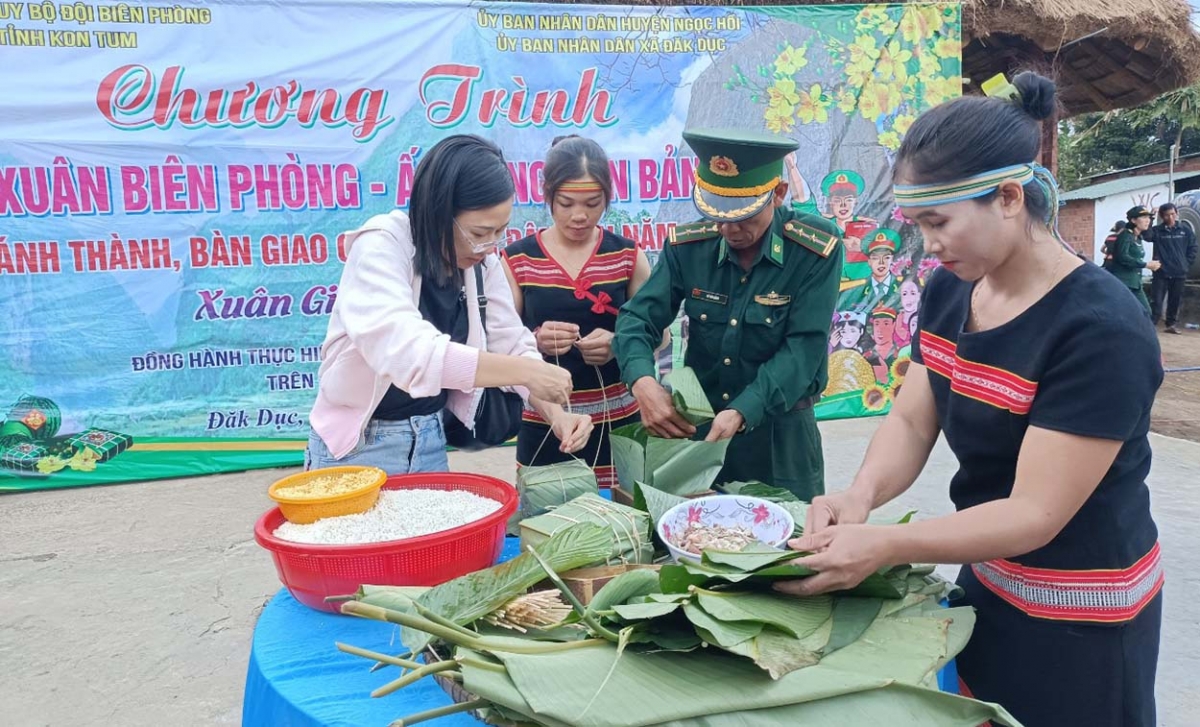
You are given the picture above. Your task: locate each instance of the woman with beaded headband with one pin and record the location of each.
(1053, 513)
(568, 281)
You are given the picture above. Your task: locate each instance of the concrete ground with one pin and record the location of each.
(135, 604)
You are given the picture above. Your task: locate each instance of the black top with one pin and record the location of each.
(443, 305)
(590, 300)
(1082, 360)
(1174, 247)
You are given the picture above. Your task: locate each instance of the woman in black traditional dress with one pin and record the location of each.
(1053, 512)
(568, 282)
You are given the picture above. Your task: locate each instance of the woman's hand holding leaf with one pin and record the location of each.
(848, 507)
(842, 555)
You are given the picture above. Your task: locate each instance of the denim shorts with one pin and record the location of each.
(396, 447)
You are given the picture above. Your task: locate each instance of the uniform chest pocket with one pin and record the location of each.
(766, 328)
(707, 323)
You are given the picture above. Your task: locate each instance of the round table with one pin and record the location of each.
(298, 678)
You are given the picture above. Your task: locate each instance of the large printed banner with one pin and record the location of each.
(175, 181)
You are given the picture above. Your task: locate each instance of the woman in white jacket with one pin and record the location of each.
(405, 341)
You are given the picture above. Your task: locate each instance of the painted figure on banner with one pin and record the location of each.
(884, 351)
(842, 189)
(848, 329)
(882, 287)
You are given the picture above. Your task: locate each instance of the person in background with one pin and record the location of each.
(568, 281)
(758, 284)
(1110, 244)
(1053, 512)
(1129, 257)
(1175, 250)
(406, 344)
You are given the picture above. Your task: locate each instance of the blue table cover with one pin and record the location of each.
(298, 678)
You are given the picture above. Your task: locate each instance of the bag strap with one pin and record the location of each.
(481, 300)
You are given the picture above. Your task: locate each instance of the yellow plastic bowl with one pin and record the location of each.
(304, 510)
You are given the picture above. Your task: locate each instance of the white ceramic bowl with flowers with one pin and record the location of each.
(768, 522)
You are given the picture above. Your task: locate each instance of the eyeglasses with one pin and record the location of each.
(478, 246)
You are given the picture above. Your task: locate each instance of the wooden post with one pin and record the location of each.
(1048, 157)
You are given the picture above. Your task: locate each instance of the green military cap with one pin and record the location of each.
(884, 239)
(842, 182)
(883, 311)
(1139, 211)
(738, 171)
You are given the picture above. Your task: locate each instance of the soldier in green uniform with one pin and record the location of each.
(759, 283)
(1129, 257)
(882, 287)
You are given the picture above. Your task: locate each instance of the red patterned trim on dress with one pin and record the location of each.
(1098, 596)
(611, 403)
(988, 384)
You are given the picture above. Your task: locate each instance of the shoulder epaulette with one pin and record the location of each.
(811, 238)
(693, 232)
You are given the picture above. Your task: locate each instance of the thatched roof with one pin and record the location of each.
(1104, 54)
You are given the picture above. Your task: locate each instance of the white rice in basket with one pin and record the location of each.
(398, 514)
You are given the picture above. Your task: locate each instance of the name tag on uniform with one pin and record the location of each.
(710, 297)
(773, 298)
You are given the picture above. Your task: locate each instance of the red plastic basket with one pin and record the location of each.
(312, 572)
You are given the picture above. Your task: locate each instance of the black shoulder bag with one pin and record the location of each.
(499, 416)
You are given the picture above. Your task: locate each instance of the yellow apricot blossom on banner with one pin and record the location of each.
(864, 51)
(892, 63)
(790, 60)
(889, 140)
(947, 48)
(814, 106)
(779, 119)
(782, 93)
(847, 100)
(920, 22)
(878, 99)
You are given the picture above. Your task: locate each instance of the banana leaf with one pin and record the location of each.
(690, 400)
(654, 501)
(674, 466)
(630, 528)
(851, 618)
(622, 589)
(714, 631)
(779, 654)
(797, 617)
(760, 490)
(475, 595)
(544, 487)
(597, 687)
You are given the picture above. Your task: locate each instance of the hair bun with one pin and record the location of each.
(1037, 95)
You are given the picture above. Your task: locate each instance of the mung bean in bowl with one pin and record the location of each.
(310, 496)
(723, 522)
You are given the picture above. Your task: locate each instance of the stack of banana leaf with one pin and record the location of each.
(704, 643)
